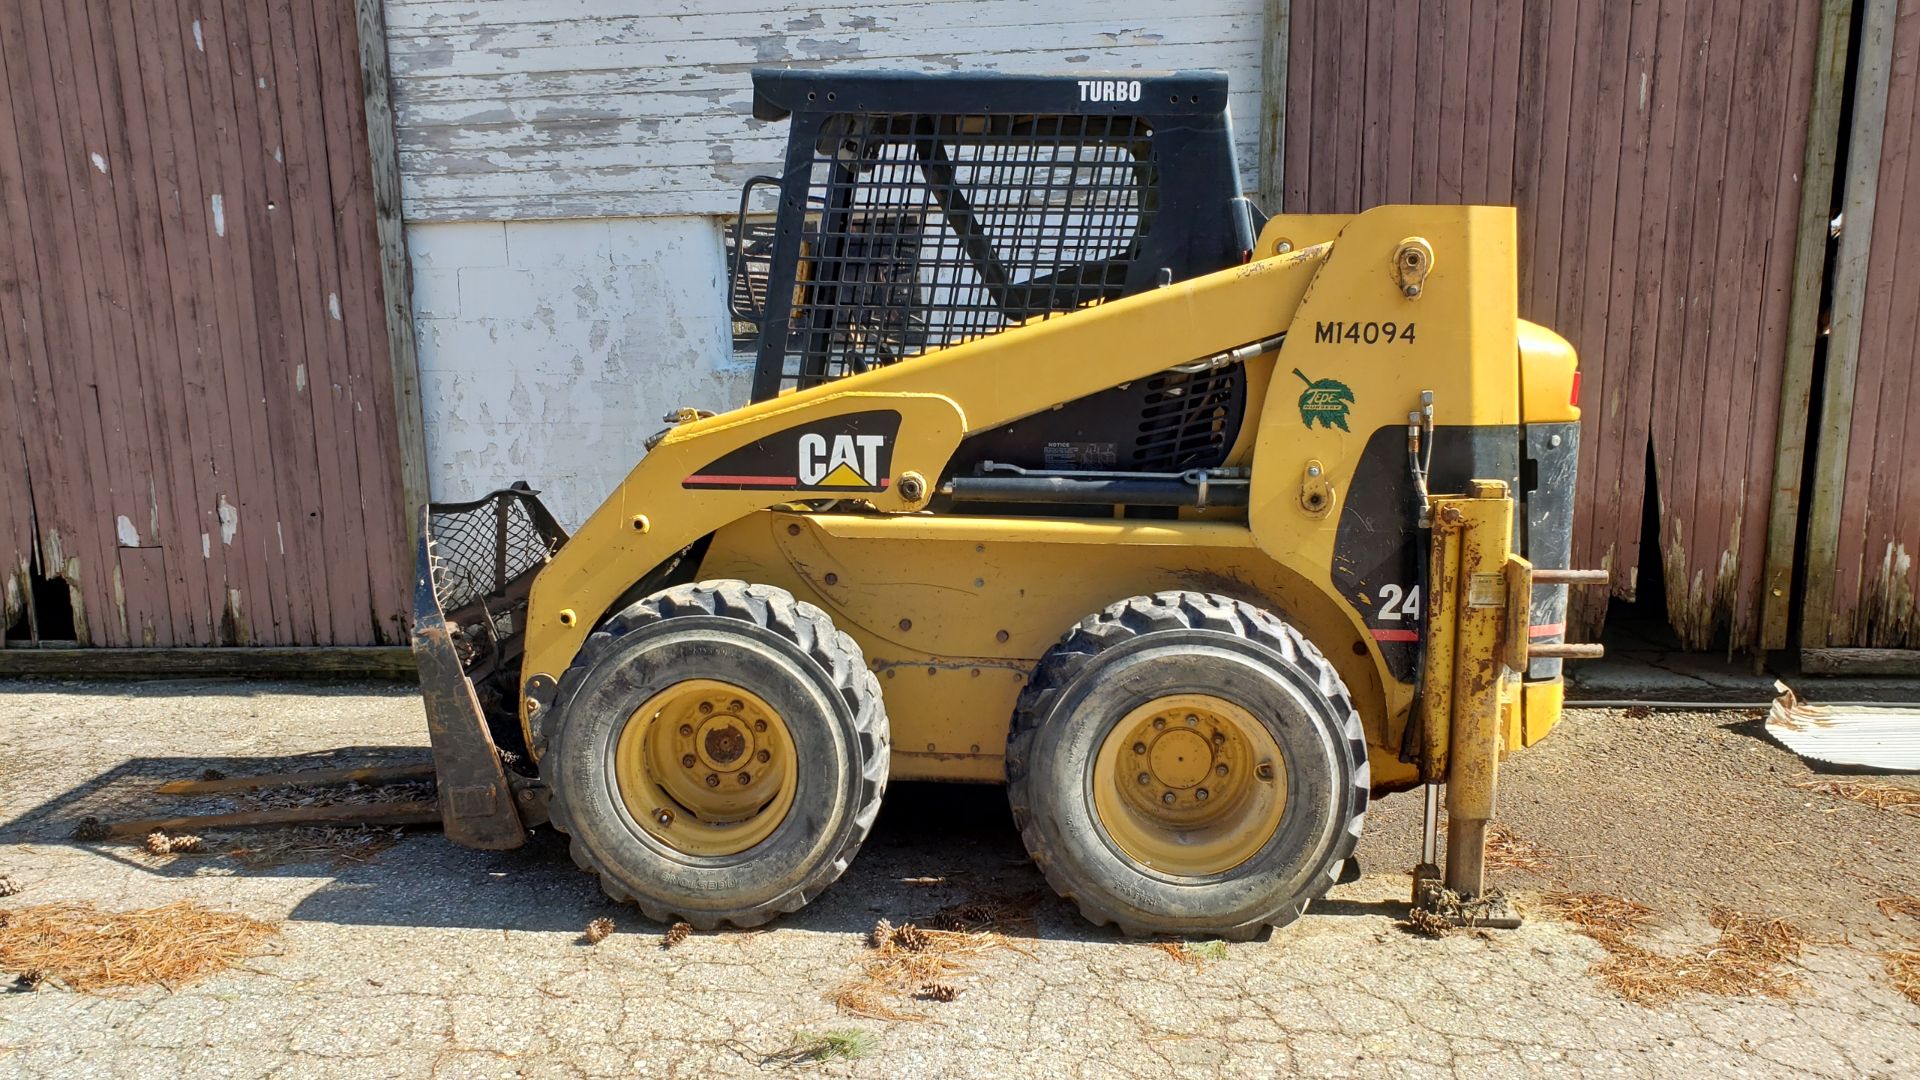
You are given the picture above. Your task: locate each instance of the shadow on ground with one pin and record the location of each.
(933, 846)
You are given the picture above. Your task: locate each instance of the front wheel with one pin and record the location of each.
(1185, 763)
(720, 755)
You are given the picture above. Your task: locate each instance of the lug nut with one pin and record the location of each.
(706, 707)
(1139, 748)
(686, 730)
(745, 779)
(1219, 738)
(686, 761)
(1144, 778)
(1159, 722)
(663, 817)
(1220, 769)
(759, 725)
(1201, 794)
(1264, 772)
(713, 780)
(1168, 798)
(736, 705)
(763, 757)
(1192, 719)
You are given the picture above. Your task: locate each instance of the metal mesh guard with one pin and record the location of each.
(478, 548)
(925, 232)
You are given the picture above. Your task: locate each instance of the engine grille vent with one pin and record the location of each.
(1185, 421)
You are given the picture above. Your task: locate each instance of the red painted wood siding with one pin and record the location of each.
(1653, 149)
(196, 415)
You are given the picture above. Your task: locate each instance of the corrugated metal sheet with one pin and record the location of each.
(1654, 152)
(196, 416)
(1879, 737)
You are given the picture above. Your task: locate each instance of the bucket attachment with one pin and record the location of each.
(475, 569)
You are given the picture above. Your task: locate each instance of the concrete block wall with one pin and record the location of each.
(549, 350)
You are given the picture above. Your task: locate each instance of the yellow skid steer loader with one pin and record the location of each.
(1066, 469)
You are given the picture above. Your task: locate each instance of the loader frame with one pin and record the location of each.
(1022, 345)
(900, 426)
(681, 494)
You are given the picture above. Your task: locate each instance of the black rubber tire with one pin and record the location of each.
(1187, 642)
(788, 652)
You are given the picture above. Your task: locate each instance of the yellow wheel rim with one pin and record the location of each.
(1189, 785)
(706, 767)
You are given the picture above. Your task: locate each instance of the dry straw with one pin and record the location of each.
(1895, 906)
(1879, 794)
(77, 945)
(1903, 967)
(903, 962)
(1750, 957)
(1508, 850)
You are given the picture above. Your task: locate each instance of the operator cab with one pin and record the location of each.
(919, 211)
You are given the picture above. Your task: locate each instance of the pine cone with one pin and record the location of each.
(911, 938)
(8, 886)
(939, 992)
(599, 930)
(963, 918)
(89, 829)
(158, 844)
(676, 934)
(186, 845)
(881, 934)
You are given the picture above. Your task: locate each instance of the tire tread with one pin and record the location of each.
(813, 632)
(1136, 617)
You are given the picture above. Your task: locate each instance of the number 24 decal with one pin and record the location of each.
(1397, 603)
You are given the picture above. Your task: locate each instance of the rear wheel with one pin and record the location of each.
(720, 755)
(1185, 763)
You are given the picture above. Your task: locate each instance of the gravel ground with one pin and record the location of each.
(423, 959)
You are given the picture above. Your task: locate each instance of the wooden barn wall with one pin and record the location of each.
(196, 416)
(1863, 589)
(530, 109)
(1654, 151)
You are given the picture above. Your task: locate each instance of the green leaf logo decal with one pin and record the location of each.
(1324, 401)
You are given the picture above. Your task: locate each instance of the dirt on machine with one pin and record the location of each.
(1066, 469)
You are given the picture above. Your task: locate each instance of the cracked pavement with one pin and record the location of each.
(428, 960)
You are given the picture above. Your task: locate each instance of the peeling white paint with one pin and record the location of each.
(558, 364)
(229, 521)
(99, 162)
(199, 38)
(646, 109)
(219, 205)
(262, 82)
(206, 546)
(333, 306)
(129, 536)
(281, 537)
(300, 378)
